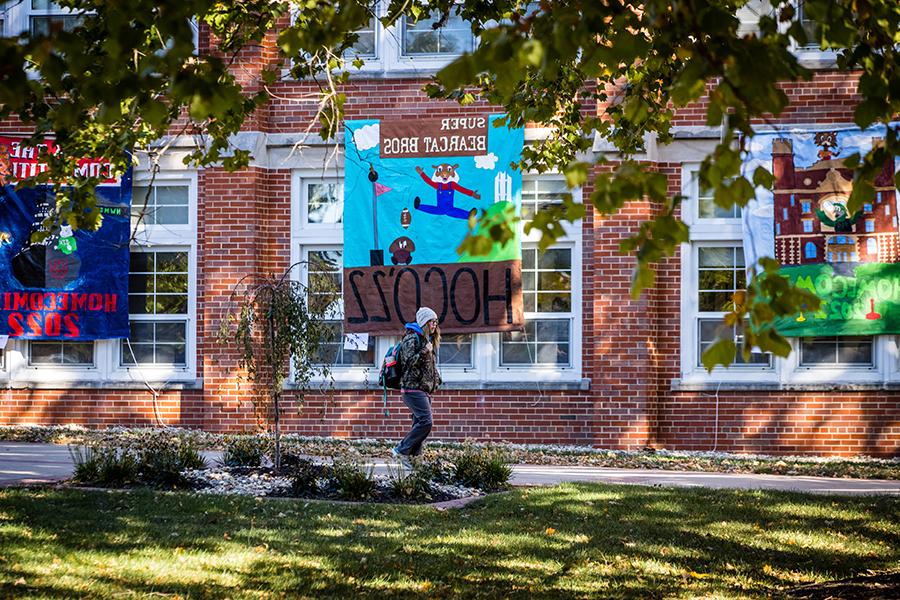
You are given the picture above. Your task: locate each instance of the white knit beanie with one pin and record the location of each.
(425, 314)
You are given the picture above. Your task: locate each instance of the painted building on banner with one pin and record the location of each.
(812, 221)
(590, 365)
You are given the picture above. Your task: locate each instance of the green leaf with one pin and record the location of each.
(722, 352)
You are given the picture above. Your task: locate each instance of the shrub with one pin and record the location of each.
(352, 480)
(163, 465)
(304, 474)
(87, 464)
(116, 467)
(245, 451)
(437, 469)
(482, 468)
(412, 485)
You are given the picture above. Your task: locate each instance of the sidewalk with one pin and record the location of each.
(23, 463)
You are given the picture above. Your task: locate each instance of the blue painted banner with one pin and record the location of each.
(412, 189)
(73, 285)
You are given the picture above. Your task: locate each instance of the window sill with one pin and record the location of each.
(76, 384)
(816, 59)
(580, 385)
(737, 386)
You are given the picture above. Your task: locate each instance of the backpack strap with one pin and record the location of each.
(387, 413)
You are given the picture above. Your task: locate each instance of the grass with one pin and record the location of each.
(568, 541)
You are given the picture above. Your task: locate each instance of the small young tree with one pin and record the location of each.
(274, 323)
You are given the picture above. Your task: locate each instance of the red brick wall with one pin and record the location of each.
(630, 347)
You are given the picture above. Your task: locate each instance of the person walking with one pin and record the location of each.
(420, 379)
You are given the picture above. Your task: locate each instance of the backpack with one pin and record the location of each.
(391, 372)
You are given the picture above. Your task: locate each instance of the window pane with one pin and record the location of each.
(61, 353)
(855, 351)
(170, 332)
(172, 262)
(453, 37)
(324, 203)
(706, 206)
(554, 302)
(143, 353)
(538, 194)
(544, 341)
(141, 331)
(332, 351)
(528, 258)
(710, 330)
(555, 258)
(156, 343)
(455, 350)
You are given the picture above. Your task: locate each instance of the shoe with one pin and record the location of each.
(402, 458)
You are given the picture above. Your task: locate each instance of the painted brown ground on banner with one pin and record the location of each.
(451, 136)
(468, 297)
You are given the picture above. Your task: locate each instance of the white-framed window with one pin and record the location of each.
(37, 18)
(161, 301)
(162, 279)
(372, 43)
(547, 299)
(158, 302)
(551, 291)
(705, 208)
(712, 268)
(48, 18)
(551, 344)
(60, 352)
(427, 38)
(322, 270)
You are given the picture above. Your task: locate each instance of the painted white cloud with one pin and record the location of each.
(486, 162)
(366, 137)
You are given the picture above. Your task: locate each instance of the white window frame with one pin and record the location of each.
(371, 65)
(166, 238)
(784, 372)
(398, 61)
(346, 373)
(485, 369)
(571, 239)
(107, 365)
(17, 16)
(325, 236)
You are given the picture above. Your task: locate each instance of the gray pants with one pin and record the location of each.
(419, 403)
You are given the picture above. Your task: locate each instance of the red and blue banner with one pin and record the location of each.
(74, 284)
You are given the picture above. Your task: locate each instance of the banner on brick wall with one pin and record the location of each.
(411, 187)
(73, 285)
(851, 261)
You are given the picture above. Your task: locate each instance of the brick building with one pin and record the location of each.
(595, 367)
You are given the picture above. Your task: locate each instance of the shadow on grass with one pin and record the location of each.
(569, 541)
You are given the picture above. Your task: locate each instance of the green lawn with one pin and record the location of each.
(569, 541)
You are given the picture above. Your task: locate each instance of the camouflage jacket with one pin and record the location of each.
(419, 368)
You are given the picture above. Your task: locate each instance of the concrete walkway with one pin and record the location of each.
(23, 463)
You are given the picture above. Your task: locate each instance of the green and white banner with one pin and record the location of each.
(851, 261)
